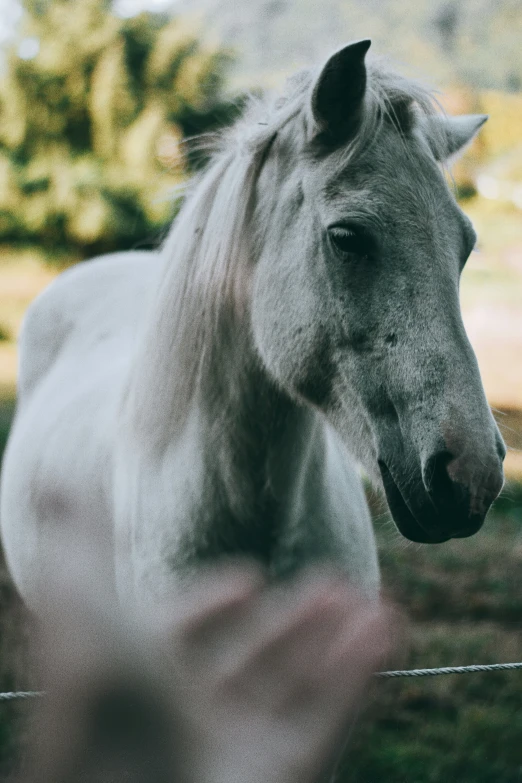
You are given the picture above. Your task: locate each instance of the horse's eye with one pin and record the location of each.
(349, 242)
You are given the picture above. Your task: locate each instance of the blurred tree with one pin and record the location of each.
(92, 109)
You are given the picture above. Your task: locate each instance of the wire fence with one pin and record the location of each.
(473, 669)
(484, 667)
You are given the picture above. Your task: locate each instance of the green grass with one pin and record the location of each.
(464, 599)
(473, 579)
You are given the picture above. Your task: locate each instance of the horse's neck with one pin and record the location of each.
(246, 436)
(254, 444)
(256, 430)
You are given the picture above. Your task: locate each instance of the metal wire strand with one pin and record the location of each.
(484, 667)
(10, 695)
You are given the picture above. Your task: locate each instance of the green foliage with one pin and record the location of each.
(90, 126)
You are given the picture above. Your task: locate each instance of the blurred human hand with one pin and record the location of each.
(235, 680)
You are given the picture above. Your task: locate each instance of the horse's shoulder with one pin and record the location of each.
(76, 297)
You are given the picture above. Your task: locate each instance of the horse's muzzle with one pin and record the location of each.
(447, 497)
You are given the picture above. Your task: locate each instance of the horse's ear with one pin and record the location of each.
(449, 135)
(338, 91)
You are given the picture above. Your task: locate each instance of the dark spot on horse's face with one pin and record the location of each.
(380, 406)
(391, 339)
(359, 342)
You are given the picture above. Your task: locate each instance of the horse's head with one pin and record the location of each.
(355, 302)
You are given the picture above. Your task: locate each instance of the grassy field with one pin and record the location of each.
(464, 600)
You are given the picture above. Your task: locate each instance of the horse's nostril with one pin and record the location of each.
(501, 449)
(451, 499)
(435, 473)
(462, 488)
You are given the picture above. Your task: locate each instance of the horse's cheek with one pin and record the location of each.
(289, 329)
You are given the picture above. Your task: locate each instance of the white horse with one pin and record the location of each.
(211, 398)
